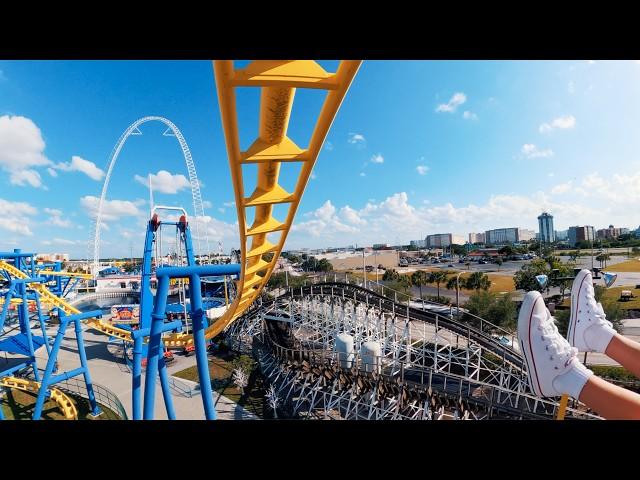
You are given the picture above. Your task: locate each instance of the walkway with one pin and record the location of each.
(112, 372)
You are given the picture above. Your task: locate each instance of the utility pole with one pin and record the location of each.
(364, 269)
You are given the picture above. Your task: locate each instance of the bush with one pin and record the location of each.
(498, 309)
(244, 362)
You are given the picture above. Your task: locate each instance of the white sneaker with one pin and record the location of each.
(589, 331)
(548, 355)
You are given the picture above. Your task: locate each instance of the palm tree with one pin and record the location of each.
(419, 278)
(437, 278)
(477, 281)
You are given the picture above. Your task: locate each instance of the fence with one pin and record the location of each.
(104, 396)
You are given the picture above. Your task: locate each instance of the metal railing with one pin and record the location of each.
(104, 396)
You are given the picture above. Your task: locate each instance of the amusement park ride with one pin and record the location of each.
(278, 81)
(261, 243)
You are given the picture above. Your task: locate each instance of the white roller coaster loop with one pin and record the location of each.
(198, 209)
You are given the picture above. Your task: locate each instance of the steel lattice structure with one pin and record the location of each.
(172, 130)
(431, 366)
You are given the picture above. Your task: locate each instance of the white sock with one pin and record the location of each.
(572, 381)
(598, 337)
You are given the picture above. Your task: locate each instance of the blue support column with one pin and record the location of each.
(42, 393)
(153, 349)
(137, 374)
(166, 391)
(43, 327)
(201, 348)
(25, 327)
(95, 409)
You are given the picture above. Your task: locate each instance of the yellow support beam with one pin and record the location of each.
(278, 80)
(86, 276)
(65, 403)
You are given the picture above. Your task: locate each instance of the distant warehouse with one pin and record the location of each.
(440, 240)
(503, 236)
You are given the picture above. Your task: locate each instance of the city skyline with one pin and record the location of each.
(461, 147)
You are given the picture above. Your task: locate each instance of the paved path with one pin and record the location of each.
(112, 372)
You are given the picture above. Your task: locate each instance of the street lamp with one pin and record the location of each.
(458, 293)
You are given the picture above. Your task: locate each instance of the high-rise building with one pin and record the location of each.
(418, 243)
(502, 236)
(545, 227)
(439, 240)
(476, 238)
(581, 234)
(561, 235)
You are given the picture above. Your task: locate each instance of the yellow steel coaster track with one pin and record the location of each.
(65, 404)
(56, 301)
(278, 80)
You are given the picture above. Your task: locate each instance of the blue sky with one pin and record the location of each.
(418, 147)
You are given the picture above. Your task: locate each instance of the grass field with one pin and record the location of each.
(499, 283)
(613, 293)
(18, 405)
(221, 371)
(628, 266)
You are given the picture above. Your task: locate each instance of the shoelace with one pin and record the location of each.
(556, 345)
(601, 317)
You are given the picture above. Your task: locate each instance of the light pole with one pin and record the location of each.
(375, 254)
(458, 293)
(364, 270)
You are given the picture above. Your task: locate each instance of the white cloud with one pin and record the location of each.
(165, 182)
(561, 188)
(351, 216)
(568, 121)
(571, 87)
(594, 200)
(468, 115)
(53, 211)
(362, 174)
(329, 146)
(21, 149)
(207, 204)
(357, 139)
(79, 164)
(221, 209)
(15, 217)
(325, 222)
(458, 99)
(377, 158)
(52, 172)
(422, 169)
(64, 241)
(24, 177)
(111, 209)
(313, 176)
(229, 204)
(531, 151)
(56, 219)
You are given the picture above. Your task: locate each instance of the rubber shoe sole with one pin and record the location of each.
(524, 335)
(578, 285)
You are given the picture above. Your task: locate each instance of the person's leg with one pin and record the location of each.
(626, 352)
(589, 330)
(554, 369)
(610, 401)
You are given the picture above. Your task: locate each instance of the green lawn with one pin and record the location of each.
(18, 405)
(221, 371)
(628, 266)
